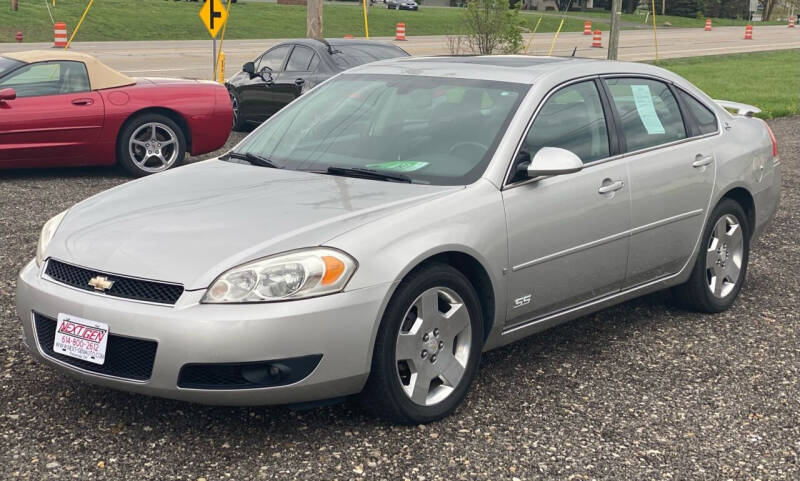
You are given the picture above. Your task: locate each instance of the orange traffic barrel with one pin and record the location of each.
(791, 22)
(60, 34)
(587, 27)
(708, 25)
(400, 32)
(597, 40)
(748, 32)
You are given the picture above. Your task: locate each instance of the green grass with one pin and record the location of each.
(171, 20)
(768, 80)
(677, 22)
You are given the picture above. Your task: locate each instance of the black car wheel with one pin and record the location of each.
(427, 348)
(238, 122)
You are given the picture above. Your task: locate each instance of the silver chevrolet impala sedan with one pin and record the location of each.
(379, 233)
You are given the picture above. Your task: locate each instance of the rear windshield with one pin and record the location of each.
(7, 65)
(350, 56)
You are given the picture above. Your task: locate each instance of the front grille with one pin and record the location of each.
(125, 357)
(124, 287)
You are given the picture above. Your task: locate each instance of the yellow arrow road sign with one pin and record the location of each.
(213, 15)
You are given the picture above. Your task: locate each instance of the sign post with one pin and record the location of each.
(214, 16)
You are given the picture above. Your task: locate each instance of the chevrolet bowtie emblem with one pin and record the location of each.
(101, 283)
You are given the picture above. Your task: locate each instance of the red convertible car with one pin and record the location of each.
(61, 108)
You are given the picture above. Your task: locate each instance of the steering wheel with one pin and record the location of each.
(466, 143)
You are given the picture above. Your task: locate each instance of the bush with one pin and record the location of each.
(492, 27)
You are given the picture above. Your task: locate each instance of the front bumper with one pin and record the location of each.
(340, 327)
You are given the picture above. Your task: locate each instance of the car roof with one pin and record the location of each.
(101, 76)
(510, 68)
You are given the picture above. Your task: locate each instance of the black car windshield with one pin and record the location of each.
(8, 64)
(433, 130)
(349, 56)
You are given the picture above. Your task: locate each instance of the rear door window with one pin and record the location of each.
(300, 59)
(649, 112)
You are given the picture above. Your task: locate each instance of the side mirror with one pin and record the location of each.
(553, 161)
(266, 74)
(249, 68)
(7, 94)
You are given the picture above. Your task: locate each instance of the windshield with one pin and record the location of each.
(349, 56)
(433, 130)
(7, 64)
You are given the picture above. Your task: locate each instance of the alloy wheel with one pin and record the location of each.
(153, 147)
(724, 256)
(433, 346)
(235, 106)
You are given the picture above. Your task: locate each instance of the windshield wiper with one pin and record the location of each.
(368, 174)
(254, 159)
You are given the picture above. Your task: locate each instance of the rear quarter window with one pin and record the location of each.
(704, 118)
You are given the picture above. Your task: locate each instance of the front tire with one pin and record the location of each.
(427, 349)
(238, 123)
(721, 266)
(150, 143)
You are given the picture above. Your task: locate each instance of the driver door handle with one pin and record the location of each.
(299, 81)
(613, 186)
(82, 102)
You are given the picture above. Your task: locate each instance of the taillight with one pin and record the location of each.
(774, 142)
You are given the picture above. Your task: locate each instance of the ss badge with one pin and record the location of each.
(522, 301)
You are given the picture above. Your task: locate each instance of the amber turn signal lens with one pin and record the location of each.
(334, 268)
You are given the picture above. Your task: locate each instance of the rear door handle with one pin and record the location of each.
(702, 161)
(299, 82)
(82, 102)
(608, 188)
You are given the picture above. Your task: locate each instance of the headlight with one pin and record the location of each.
(293, 275)
(48, 231)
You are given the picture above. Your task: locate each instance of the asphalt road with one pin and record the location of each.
(193, 58)
(640, 391)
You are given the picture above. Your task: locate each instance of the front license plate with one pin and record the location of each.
(81, 338)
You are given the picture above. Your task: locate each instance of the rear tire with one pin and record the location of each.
(427, 349)
(150, 143)
(721, 266)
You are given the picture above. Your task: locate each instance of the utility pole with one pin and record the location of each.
(14, 5)
(663, 7)
(314, 19)
(613, 40)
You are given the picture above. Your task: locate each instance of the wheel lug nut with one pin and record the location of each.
(436, 332)
(425, 337)
(441, 344)
(433, 358)
(424, 354)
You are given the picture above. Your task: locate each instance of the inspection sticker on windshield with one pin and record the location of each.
(81, 338)
(646, 109)
(399, 166)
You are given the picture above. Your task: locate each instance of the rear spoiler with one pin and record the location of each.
(741, 109)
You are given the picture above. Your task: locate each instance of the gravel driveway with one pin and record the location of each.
(640, 391)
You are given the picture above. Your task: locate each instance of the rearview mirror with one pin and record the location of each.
(249, 68)
(8, 94)
(553, 161)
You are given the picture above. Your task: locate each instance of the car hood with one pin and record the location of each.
(190, 224)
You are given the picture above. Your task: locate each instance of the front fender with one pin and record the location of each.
(469, 221)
